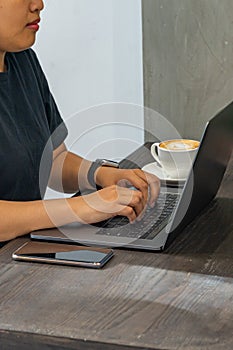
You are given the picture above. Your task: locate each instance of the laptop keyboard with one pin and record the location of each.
(149, 226)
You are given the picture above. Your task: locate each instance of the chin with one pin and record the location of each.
(26, 44)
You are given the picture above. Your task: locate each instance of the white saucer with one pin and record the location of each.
(154, 168)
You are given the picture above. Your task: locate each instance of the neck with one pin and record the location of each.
(2, 62)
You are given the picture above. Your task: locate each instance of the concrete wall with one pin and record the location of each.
(188, 61)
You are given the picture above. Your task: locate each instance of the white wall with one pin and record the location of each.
(91, 52)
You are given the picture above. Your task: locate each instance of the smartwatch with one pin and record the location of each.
(97, 164)
(107, 162)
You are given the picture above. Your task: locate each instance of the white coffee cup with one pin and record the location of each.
(175, 156)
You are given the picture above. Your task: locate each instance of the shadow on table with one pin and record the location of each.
(205, 246)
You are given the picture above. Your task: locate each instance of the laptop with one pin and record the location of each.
(176, 206)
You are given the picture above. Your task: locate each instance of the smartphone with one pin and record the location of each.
(63, 254)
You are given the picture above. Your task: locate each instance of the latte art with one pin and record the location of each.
(179, 145)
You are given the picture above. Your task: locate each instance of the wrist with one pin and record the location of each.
(101, 174)
(97, 169)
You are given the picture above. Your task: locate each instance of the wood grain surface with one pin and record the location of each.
(179, 299)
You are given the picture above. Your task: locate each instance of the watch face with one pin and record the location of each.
(107, 162)
(104, 162)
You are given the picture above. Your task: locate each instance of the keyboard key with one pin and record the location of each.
(153, 221)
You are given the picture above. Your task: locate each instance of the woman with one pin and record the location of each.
(30, 124)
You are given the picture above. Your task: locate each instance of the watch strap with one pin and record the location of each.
(97, 164)
(91, 173)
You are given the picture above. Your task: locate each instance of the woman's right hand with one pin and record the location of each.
(108, 202)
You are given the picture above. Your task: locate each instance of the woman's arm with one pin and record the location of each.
(69, 173)
(19, 218)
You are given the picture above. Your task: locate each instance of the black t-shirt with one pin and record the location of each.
(30, 128)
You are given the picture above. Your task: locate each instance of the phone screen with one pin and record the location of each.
(89, 256)
(63, 254)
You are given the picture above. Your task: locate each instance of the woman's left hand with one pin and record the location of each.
(147, 183)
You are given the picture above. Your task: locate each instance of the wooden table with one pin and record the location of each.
(179, 299)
